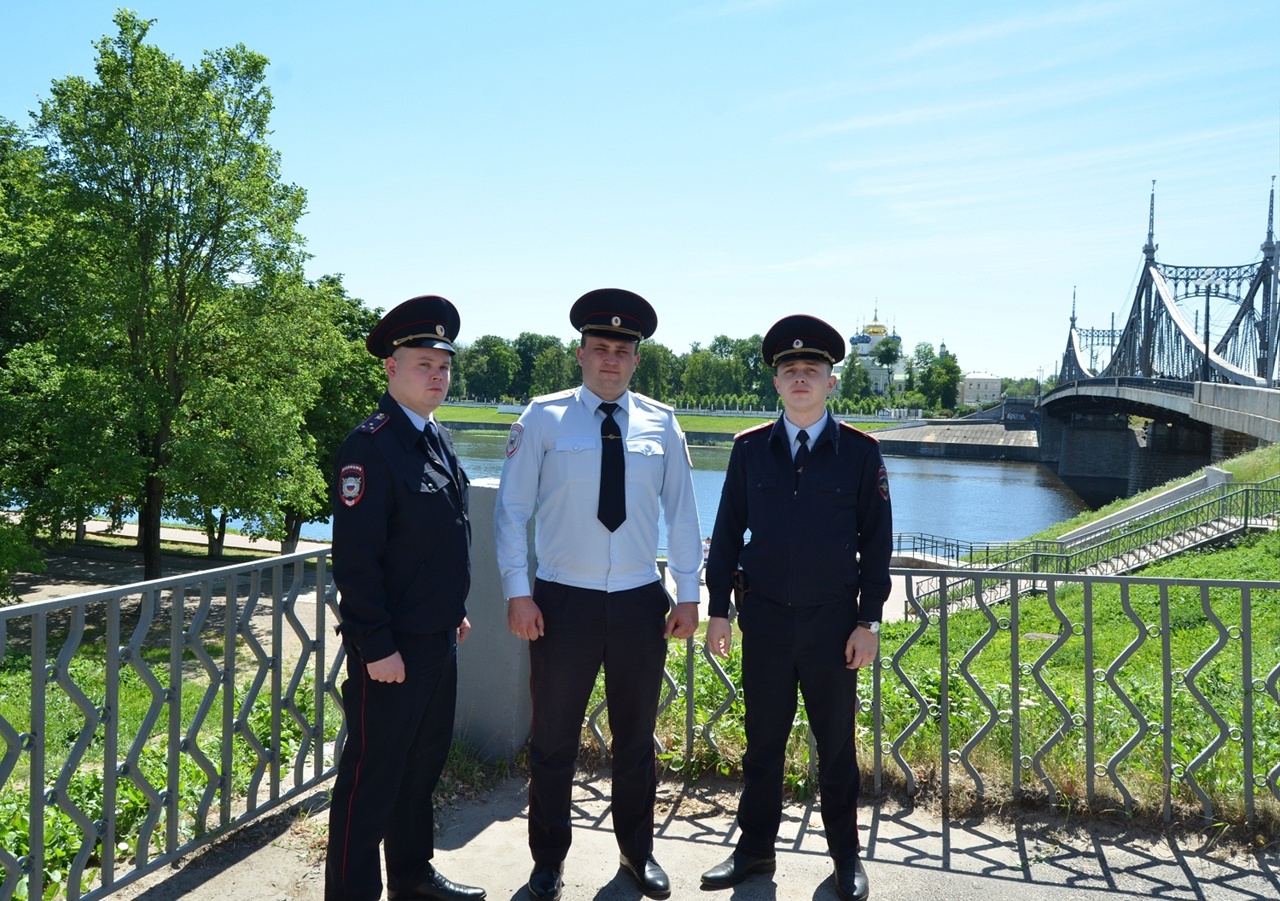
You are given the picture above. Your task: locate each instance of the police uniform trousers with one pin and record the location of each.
(584, 629)
(398, 738)
(782, 647)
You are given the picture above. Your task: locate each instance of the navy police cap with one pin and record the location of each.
(802, 337)
(425, 321)
(614, 313)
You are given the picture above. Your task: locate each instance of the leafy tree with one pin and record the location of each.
(657, 372)
(489, 365)
(855, 381)
(555, 369)
(349, 391)
(888, 351)
(707, 373)
(169, 173)
(528, 347)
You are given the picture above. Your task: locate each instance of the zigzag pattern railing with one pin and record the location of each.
(204, 656)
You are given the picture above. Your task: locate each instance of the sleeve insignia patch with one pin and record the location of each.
(513, 439)
(884, 483)
(351, 484)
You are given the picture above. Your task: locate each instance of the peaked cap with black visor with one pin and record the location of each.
(614, 313)
(424, 321)
(801, 337)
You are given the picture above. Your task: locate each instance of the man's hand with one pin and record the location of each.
(388, 669)
(464, 629)
(683, 621)
(719, 636)
(861, 648)
(524, 619)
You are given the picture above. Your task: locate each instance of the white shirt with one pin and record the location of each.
(553, 467)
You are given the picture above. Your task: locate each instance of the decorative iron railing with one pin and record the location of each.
(193, 704)
(184, 707)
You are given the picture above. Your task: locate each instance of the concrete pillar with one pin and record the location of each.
(494, 707)
(1171, 452)
(1225, 444)
(1094, 456)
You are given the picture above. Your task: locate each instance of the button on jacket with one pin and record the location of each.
(553, 466)
(401, 537)
(828, 541)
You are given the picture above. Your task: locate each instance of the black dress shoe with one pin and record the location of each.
(651, 878)
(851, 880)
(437, 888)
(546, 882)
(737, 868)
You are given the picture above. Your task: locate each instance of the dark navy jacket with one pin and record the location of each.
(401, 537)
(828, 542)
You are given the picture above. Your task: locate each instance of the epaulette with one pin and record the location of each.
(559, 395)
(657, 404)
(858, 431)
(373, 423)
(752, 430)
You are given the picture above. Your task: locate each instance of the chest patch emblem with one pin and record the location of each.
(351, 484)
(513, 438)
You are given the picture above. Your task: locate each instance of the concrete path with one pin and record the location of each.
(913, 854)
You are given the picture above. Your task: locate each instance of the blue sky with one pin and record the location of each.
(960, 167)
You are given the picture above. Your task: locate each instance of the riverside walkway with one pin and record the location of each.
(921, 851)
(910, 853)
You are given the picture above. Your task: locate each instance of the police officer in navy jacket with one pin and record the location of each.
(401, 561)
(812, 581)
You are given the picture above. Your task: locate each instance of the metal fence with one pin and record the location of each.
(161, 714)
(193, 704)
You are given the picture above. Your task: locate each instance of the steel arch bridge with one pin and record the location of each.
(1163, 337)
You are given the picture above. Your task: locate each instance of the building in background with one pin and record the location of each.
(978, 388)
(864, 344)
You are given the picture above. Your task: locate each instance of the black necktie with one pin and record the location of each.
(802, 454)
(612, 509)
(434, 447)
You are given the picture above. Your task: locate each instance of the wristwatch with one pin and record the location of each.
(873, 628)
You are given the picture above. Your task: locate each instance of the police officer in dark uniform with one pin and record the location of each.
(401, 561)
(812, 583)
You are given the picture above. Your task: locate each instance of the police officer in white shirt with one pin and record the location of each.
(596, 463)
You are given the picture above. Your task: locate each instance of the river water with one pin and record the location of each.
(968, 500)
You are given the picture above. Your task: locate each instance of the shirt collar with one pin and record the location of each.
(814, 430)
(418, 422)
(588, 398)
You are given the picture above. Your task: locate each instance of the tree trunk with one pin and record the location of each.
(292, 531)
(149, 520)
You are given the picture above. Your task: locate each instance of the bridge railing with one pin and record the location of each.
(157, 716)
(1217, 511)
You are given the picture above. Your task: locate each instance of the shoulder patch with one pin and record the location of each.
(373, 423)
(755, 428)
(513, 438)
(844, 425)
(351, 484)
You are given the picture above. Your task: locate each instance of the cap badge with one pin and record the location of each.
(799, 342)
(439, 329)
(616, 320)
